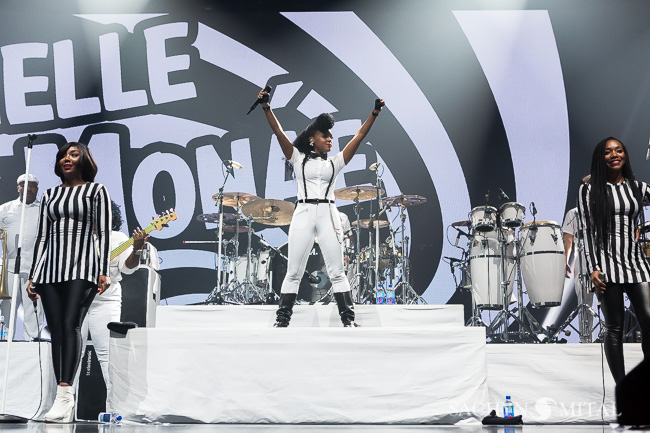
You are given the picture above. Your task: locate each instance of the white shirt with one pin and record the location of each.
(10, 221)
(318, 173)
(117, 267)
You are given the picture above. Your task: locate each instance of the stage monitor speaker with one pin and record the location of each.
(91, 391)
(140, 296)
(633, 398)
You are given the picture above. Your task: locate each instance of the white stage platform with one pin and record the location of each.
(24, 383)
(298, 375)
(263, 316)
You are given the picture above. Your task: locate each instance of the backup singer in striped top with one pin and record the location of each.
(69, 266)
(611, 209)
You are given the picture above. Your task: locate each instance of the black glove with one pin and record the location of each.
(378, 104)
(265, 99)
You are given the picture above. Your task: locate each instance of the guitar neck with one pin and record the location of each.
(119, 250)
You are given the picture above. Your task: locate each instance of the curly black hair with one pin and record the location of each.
(323, 123)
(117, 216)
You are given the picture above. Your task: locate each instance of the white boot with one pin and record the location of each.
(63, 408)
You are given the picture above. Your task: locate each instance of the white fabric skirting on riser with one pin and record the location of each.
(24, 384)
(299, 375)
(555, 383)
(263, 316)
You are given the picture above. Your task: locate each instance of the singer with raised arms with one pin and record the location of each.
(610, 205)
(315, 214)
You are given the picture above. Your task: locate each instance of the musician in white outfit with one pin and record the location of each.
(316, 215)
(10, 221)
(108, 307)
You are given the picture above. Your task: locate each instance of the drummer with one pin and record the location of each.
(315, 214)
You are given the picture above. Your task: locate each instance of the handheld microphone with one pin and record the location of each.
(374, 167)
(503, 195)
(267, 89)
(532, 204)
(233, 164)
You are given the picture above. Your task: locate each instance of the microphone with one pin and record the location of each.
(267, 89)
(532, 204)
(233, 164)
(503, 195)
(374, 167)
(487, 197)
(457, 239)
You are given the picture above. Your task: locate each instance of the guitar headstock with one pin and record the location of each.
(162, 221)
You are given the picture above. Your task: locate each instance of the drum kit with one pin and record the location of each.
(501, 249)
(256, 276)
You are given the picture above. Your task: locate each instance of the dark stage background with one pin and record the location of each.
(480, 96)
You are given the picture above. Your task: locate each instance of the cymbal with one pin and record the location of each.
(364, 192)
(270, 212)
(465, 223)
(368, 223)
(404, 200)
(228, 218)
(236, 199)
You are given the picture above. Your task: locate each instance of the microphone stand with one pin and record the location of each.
(376, 222)
(5, 418)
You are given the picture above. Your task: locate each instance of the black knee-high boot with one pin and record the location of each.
(285, 310)
(346, 308)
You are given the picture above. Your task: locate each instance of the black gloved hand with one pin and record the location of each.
(379, 104)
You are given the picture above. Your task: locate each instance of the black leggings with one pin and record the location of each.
(613, 308)
(65, 305)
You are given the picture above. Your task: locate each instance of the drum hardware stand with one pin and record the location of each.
(378, 214)
(216, 293)
(409, 295)
(505, 314)
(357, 255)
(247, 285)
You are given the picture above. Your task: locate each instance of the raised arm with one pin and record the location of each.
(351, 148)
(285, 143)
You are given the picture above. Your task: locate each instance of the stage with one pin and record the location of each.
(435, 371)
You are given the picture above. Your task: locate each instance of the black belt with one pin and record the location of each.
(314, 200)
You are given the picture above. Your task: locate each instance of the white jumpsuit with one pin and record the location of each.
(311, 221)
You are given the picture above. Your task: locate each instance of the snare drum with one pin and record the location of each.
(512, 214)
(543, 263)
(485, 269)
(484, 219)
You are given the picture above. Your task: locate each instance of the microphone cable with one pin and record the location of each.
(40, 360)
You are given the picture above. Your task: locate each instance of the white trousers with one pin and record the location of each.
(100, 314)
(311, 221)
(30, 324)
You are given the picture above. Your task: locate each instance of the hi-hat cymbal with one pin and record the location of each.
(364, 192)
(228, 218)
(236, 199)
(404, 200)
(233, 228)
(369, 223)
(464, 223)
(270, 212)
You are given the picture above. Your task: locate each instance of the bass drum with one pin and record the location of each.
(308, 291)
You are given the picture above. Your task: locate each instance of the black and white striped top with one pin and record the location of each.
(65, 247)
(623, 261)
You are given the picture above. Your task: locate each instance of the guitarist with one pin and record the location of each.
(107, 307)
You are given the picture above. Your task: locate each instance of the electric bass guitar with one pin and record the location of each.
(156, 224)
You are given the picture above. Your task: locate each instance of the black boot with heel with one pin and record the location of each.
(285, 310)
(346, 308)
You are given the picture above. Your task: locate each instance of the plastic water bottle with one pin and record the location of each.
(109, 418)
(381, 295)
(390, 295)
(3, 329)
(508, 408)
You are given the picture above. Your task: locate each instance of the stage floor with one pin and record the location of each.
(36, 427)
